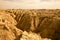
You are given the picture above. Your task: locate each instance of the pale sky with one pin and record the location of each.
(30, 4)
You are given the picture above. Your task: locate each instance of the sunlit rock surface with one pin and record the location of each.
(8, 30)
(31, 36)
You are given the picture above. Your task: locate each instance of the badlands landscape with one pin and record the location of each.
(33, 24)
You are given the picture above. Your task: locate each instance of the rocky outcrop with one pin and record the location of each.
(8, 30)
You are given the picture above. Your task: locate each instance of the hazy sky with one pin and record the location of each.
(30, 4)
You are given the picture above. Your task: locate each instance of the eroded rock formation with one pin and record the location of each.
(8, 30)
(43, 22)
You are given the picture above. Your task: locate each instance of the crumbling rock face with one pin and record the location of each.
(8, 30)
(24, 22)
(43, 22)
